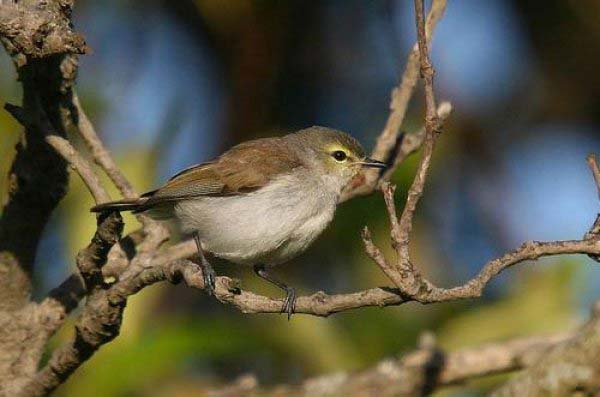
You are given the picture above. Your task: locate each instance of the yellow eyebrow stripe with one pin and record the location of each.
(333, 147)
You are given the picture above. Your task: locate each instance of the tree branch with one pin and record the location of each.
(101, 317)
(322, 304)
(401, 231)
(392, 147)
(99, 153)
(38, 35)
(99, 321)
(567, 369)
(32, 29)
(65, 149)
(595, 170)
(416, 374)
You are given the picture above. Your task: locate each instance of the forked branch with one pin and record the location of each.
(392, 146)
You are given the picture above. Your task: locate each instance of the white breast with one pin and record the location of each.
(269, 226)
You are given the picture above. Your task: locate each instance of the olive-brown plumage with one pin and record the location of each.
(260, 203)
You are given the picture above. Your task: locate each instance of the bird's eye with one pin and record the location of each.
(339, 155)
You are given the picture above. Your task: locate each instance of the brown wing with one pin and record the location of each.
(244, 168)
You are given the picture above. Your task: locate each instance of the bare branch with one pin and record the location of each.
(227, 290)
(67, 296)
(91, 259)
(495, 358)
(39, 37)
(431, 127)
(425, 63)
(392, 147)
(412, 142)
(99, 321)
(595, 170)
(81, 166)
(388, 195)
(66, 150)
(322, 304)
(376, 255)
(594, 232)
(568, 368)
(99, 153)
(37, 32)
(402, 94)
(414, 374)
(411, 286)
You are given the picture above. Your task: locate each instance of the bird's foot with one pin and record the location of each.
(289, 303)
(208, 273)
(209, 276)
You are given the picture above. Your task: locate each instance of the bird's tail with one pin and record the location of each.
(135, 205)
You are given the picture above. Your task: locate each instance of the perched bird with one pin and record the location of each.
(261, 203)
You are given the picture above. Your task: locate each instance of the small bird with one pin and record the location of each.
(261, 203)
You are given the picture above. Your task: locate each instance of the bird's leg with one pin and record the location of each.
(208, 273)
(289, 303)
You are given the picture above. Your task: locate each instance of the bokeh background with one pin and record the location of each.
(172, 83)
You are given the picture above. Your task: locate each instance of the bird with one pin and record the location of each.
(261, 203)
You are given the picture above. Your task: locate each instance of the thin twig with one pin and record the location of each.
(391, 142)
(376, 255)
(402, 94)
(412, 142)
(81, 166)
(388, 195)
(427, 71)
(99, 153)
(431, 126)
(67, 151)
(591, 159)
(594, 232)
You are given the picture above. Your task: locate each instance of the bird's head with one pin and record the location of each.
(335, 154)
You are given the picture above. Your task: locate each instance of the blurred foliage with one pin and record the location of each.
(533, 296)
(172, 83)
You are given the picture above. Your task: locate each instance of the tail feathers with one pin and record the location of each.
(134, 205)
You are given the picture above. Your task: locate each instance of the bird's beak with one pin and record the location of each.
(370, 163)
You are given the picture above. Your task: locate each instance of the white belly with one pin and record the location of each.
(269, 226)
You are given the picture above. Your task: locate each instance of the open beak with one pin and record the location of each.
(370, 163)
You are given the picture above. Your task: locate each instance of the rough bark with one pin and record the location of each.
(39, 38)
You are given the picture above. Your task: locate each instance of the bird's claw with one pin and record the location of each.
(208, 273)
(209, 277)
(289, 303)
